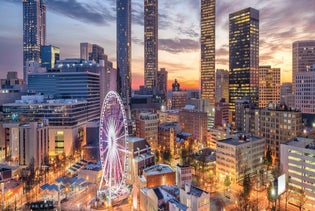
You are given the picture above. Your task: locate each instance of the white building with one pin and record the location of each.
(195, 198)
(297, 158)
(238, 156)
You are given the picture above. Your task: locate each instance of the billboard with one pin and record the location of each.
(281, 184)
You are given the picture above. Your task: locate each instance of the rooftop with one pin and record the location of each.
(240, 139)
(302, 142)
(158, 169)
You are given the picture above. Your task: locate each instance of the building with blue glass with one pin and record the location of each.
(124, 49)
(49, 56)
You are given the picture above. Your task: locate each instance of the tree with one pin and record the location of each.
(268, 158)
(167, 155)
(157, 156)
(246, 186)
(301, 198)
(227, 182)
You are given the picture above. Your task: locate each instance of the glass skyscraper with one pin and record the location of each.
(150, 44)
(207, 40)
(124, 49)
(34, 30)
(244, 56)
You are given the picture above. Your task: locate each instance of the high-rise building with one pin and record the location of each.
(269, 86)
(123, 50)
(162, 84)
(34, 31)
(49, 55)
(303, 57)
(221, 85)
(305, 92)
(150, 44)
(277, 126)
(207, 40)
(91, 52)
(244, 56)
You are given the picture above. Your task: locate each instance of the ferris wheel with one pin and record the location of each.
(113, 144)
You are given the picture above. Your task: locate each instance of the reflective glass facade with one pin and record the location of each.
(150, 43)
(69, 85)
(243, 55)
(34, 30)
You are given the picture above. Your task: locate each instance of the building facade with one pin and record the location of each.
(305, 91)
(123, 8)
(92, 52)
(221, 85)
(303, 57)
(150, 44)
(239, 156)
(195, 198)
(162, 84)
(147, 127)
(194, 122)
(139, 158)
(49, 56)
(298, 164)
(269, 86)
(207, 41)
(221, 117)
(277, 126)
(34, 31)
(244, 56)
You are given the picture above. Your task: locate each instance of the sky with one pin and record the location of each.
(70, 22)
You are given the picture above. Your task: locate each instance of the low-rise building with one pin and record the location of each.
(195, 198)
(238, 156)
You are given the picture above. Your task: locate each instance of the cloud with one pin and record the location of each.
(96, 13)
(178, 45)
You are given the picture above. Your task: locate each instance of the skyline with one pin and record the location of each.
(179, 34)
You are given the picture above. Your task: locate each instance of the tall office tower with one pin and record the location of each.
(269, 86)
(124, 49)
(305, 92)
(34, 31)
(85, 50)
(91, 52)
(221, 85)
(150, 44)
(207, 40)
(49, 55)
(244, 56)
(162, 84)
(303, 57)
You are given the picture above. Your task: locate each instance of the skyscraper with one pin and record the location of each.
(150, 44)
(34, 31)
(207, 40)
(124, 49)
(91, 52)
(221, 85)
(269, 86)
(303, 58)
(244, 56)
